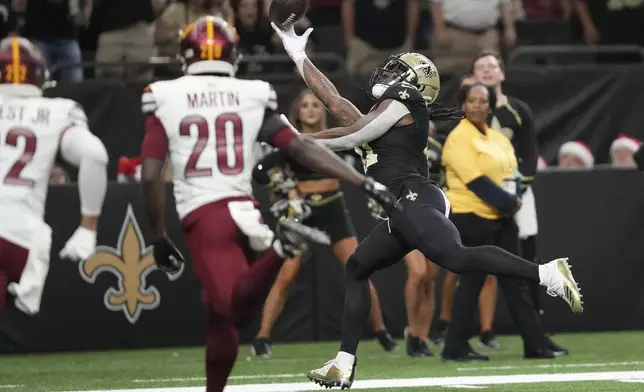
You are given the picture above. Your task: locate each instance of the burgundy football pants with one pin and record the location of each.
(235, 285)
(13, 259)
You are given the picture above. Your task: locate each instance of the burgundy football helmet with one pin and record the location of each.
(21, 62)
(209, 45)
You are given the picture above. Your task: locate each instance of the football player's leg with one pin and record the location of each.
(13, 259)
(379, 250)
(425, 225)
(4, 282)
(235, 290)
(222, 344)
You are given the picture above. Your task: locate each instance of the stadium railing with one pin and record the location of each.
(273, 67)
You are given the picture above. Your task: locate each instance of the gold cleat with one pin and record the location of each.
(569, 291)
(330, 375)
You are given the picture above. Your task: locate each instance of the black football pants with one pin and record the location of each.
(477, 231)
(422, 225)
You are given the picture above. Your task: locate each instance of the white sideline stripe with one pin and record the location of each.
(247, 377)
(466, 386)
(10, 386)
(413, 382)
(550, 366)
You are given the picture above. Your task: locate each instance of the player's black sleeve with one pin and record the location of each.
(527, 149)
(274, 131)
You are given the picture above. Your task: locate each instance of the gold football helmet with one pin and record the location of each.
(413, 68)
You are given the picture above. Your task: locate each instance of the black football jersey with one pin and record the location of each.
(514, 120)
(399, 154)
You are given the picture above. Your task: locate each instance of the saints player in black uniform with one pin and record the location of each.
(392, 138)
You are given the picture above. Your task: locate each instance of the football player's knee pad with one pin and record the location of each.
(356, 270)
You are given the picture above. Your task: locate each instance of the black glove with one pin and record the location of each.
(167, 256)
(381, 195)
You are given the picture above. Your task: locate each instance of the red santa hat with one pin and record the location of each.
(541, 164)
(578, 149)
(625, 141)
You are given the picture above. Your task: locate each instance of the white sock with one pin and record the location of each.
(545, 274)
(345, 360)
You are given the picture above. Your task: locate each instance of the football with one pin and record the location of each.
(285, 13)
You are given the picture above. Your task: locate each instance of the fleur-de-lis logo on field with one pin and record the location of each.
(131, 262)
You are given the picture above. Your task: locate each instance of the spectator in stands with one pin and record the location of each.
(53, 25)
(576, 155)
(256, 37)
(622, 150)
(12, 16)
(547, 22)
(180, 14)
(463, 28)
(126, 35)
(611, 22)
(374, 29)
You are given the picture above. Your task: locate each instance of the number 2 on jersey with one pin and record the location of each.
(223, 149)
(13, 175)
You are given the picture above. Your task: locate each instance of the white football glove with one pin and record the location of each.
(295, 45)
(80, 245)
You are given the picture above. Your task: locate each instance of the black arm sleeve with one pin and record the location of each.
(274, 131)
(527, 146)
(493, 194)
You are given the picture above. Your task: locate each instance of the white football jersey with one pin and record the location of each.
(212, 124)
(30, 133)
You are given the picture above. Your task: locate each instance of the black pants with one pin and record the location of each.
(477, 231)
(422, 224)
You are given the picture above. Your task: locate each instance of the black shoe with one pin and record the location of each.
(438, 332)
(556, 349)
(417, 347)
(466, 357)
(386, 341)
(424, 349)
(545, 353)
(261, 348)
(488, 340)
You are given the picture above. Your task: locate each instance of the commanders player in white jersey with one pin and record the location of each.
(32, 131)
(208, 123)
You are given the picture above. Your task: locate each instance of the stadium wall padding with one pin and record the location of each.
(117, 299)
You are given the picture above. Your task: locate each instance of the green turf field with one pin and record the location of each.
(599, 362)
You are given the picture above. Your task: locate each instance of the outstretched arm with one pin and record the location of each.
(306, 150)
(368, 128)
(342, 110)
